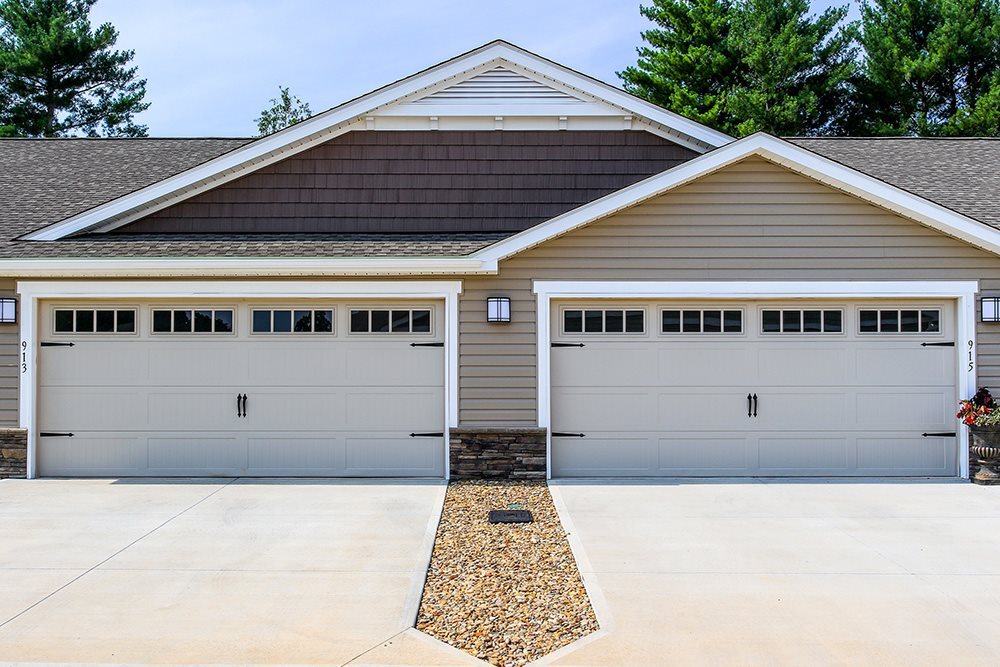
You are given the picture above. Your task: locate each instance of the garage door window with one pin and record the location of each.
(378, 321)
(611, 321)
(891, 320)
(802, 321)
(300, 321)
(180, 321)
(94, 321)
(701, 321)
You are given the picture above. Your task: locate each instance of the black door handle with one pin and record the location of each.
(755, 405)
(749, 405)
(239, 409)
(244, 405)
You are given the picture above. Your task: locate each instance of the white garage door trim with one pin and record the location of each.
(32, 292)
(963, 292)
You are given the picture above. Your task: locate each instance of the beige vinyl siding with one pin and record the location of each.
(9, 370)
(751, 221)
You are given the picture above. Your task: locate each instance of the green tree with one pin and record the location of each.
(61, 77)
(285, 110)
(743, 66)
(688, 65)
(929, 67)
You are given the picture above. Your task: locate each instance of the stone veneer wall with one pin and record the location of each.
(13, 452)
(498, 453)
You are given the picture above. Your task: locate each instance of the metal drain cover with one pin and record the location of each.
(510, 516)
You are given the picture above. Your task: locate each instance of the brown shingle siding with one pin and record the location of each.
(422, 182)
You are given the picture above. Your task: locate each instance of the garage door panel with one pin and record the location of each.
(186, 409)
(395, 364)
(900, 452)
(196, 454)
(604, 454)
(813, 364)
(902, 408)
(613, 409)
(93, 364)
(295, 454)
(803, 408)
(701, 452)
(196, 364)
(92, 454)
(885, 365)
(405, 410)
(294, 367)
(700, 409)
(91, 408)
(612, 365)
(389, 454)
(295, 410)
(694, 366)
(804, 453)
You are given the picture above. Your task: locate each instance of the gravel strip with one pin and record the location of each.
(506, 593)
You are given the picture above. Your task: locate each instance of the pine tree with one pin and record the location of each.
(746, 65)
(688, 66)
(929, 68)
(61, 77)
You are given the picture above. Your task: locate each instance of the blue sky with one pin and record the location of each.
(213, 65)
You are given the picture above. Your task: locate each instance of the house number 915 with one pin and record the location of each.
(971, 362)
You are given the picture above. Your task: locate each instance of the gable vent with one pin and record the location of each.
(498, 86)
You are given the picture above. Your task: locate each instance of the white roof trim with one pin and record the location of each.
(233, 266)
(328, 124)
(770, 148)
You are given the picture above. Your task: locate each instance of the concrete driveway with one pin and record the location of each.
(762, 572)
(215, 571)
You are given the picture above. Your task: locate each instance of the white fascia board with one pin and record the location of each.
(235, 289)
(798, 289)
(230, 266)
(773, 149)
(328, 124)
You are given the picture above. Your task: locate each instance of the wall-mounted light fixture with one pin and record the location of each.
(991, 308)
(498, 309)
(8, 311)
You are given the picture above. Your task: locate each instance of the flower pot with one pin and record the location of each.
(985, 446)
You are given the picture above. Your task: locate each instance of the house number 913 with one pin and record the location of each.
(24, 356)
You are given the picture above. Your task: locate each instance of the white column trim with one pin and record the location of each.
(962, 291)
(32, 292)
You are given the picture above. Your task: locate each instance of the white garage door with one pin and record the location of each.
(258, 389)
(766, 389)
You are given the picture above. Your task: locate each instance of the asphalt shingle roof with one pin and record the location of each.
(43, 181)
(962, 174)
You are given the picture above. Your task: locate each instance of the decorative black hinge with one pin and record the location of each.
(948, 344)
(563, 434)
(48, 343)
(426, 344)
(427, 435)
(567, 344)
(54, 434)
(943, 434)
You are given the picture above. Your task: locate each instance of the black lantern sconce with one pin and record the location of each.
(991, 308)
(8, 311)
(498, 309)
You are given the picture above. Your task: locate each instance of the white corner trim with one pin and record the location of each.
(328, 124)
(33, 292)
(770, 148)
(237, 266)
(963, 292)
